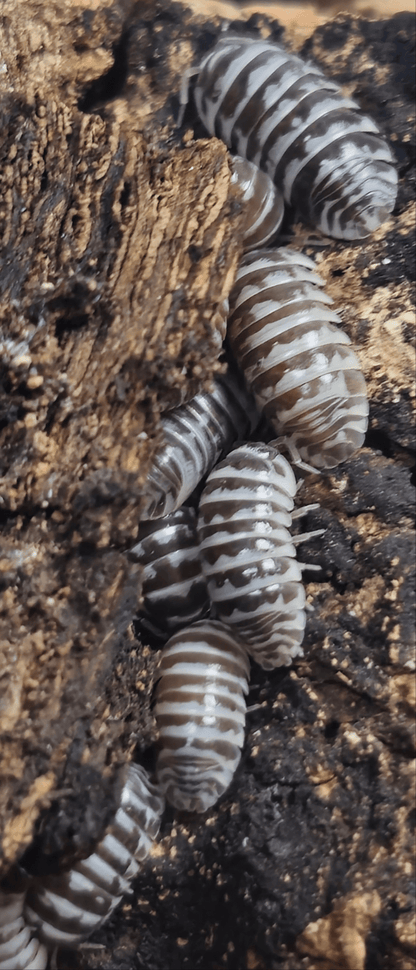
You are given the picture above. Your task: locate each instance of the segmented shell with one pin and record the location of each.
(19, 949)
(174, 588)
(248, 555)
(200, 712)
(283, 114)
(301, 368)
(195, 434)
(66, 909)
(263, 204)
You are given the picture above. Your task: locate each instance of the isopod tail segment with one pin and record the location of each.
(20, 949)
(65, 909)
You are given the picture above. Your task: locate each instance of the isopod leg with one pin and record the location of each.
(288, 443)
(184, 93)
(304, 509)
(304, 536)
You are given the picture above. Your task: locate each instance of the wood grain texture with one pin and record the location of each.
(118, 248)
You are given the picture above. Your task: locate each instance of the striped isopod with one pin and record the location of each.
(301, 368)
(263, 203)
(200, 712)
(19, 948)
(195, 435)
(174, 588)
(67, 908)
(248, 554)
(283, 114)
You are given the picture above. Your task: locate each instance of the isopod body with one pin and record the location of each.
(248, 555)
(195, 434)
(200, 712)
(174, 588)
(19, 948)
(301, 368)
(263, 203)
(283, 114)
(67, 908)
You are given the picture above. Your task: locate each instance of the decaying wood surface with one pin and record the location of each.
(119, 241)
(118, 249)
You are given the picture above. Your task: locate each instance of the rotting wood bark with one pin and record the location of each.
(307, 861)
(116, 257)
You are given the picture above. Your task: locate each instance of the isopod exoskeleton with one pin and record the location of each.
(200, 712)
(263, 204)
(301, 368)
(248, 554)
(327, 157)
(174, 588)
(19, 948)
(195, 435)
(67, 908)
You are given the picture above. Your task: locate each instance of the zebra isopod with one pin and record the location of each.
(200, 712)
(174, 589)
(280, 112)
(195, 434)
(263, 203)
(65, 909)
(301, 368)
(248, 554)
(19, 948)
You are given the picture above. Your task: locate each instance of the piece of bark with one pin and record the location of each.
(118, 250)
(307, 861)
